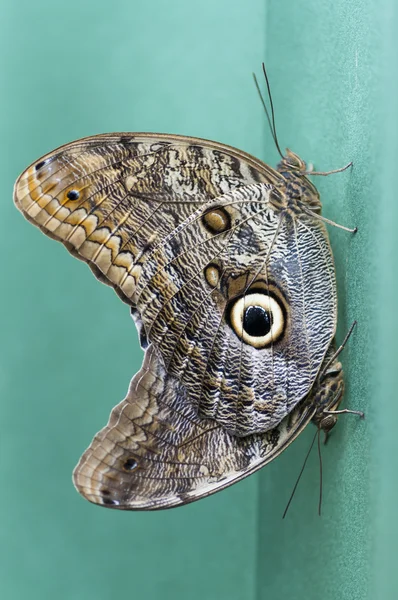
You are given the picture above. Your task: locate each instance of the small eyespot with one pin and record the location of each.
(257, 319)
(110, 502)
(130, 464)
(216, 220)
(73, 195)
(212, 275)
(40, 165)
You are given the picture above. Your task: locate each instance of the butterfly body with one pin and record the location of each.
(230, 278)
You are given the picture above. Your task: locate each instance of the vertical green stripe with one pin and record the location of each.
(384, 372)
(323, 58)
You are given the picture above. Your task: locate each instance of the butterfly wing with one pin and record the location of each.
(182, 228)
(156, 452)
(112, 198)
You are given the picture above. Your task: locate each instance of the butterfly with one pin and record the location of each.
(227, 269)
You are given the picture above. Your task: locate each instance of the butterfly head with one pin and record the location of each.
(292, 163)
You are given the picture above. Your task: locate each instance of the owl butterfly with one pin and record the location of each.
(227, 267)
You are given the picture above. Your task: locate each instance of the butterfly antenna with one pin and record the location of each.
(320, 472)
(299, 477)
(271, 123)
(264, 105)
(272, 110)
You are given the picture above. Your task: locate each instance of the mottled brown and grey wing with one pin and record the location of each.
(156, 452)
(111, 199)
(181, 228)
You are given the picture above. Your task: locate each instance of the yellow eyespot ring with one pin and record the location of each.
(257, 319)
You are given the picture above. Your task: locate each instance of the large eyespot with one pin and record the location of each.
(258, 319)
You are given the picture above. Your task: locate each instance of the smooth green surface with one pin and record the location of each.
(69, 347)
(384, 462)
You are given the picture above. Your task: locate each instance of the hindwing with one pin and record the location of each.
(157, 453)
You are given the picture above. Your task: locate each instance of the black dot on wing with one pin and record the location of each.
(256, 321)
(109, 502)
(130, 464)
(40, 165)
(73, 195)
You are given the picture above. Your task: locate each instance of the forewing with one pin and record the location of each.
(156, 452)
(111, 199)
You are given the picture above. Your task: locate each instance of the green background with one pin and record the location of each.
(69, 346)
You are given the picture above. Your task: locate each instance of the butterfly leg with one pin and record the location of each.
(310, 170)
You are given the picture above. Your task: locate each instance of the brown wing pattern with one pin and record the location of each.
(111, 198)
(156, 452)
(183, 229)
(180, 228)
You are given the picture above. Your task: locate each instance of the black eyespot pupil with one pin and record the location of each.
(130, 464)
(257, 321)
(73, 194)
(40, 165)
(110, 502)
